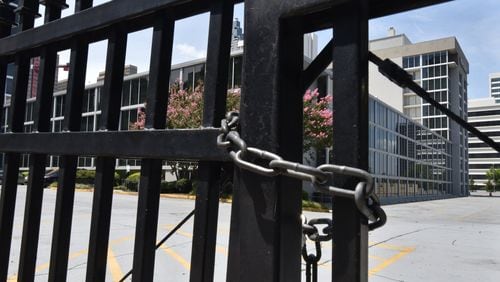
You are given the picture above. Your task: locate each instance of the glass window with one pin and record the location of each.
(57, 125)
(127, 118)
(28, 113)
(134, 92)
(188, 77)
(126, 93)
(9, 85)
(87, 123)
(98, 98)
(199, 74)
(175, 76)
(58, 106)
(143, 89)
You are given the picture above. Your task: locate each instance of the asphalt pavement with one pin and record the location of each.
(445, 240)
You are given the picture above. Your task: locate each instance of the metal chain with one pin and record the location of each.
(363, 195)
(310, 230)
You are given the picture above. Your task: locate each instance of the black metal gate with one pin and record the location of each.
(265, 226)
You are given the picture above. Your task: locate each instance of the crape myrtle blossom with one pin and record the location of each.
(185, 110)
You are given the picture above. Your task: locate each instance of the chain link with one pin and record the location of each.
(363, 195)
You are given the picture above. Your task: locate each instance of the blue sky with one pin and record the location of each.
(476, 25)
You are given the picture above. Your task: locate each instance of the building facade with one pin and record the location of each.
(133, 99)
(409, 161)
(494, 86)
(237, 36)
(441, 68)
(310, 45)
(485, 115)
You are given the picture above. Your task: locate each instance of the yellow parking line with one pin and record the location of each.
(114, 267)
(218, 249)
(176, 256)
(391, 260)
(375, 257)
(393, 247)
(73, 255)
(329, 264)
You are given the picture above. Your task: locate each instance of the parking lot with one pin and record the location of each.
(446, 240)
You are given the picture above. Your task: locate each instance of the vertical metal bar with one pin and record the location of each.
(67, 170)
(27, 11)
(34, 194)
(290, 132)
(105, 168)
(147, 221)
(207, 194)
(350, 85)
(261, 213)
(149, 190)
(161, 60)
(101, 216)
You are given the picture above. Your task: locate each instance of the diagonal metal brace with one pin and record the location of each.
(400, 77)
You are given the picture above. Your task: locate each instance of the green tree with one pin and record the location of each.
(489, 187)
(472, 185)
(493, 176)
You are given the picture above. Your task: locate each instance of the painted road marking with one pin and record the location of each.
(390, 260)
(176, 256)
(117, 273)
(219, 249)
(71, 256)
(114, 267)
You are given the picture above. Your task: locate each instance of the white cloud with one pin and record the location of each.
(188, 52)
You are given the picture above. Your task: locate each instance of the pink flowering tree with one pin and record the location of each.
(318, 120)
(185, 107)
(185, 110)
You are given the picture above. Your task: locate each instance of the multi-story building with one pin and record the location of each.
(408, 160)
(310, 45)
(133, 98)
(494, 84)
(237, 36)
(441, 68)
(485, 115)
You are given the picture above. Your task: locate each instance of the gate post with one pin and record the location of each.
(350, 143)
(265, 239)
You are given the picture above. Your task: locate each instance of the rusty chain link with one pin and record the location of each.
(363, 195)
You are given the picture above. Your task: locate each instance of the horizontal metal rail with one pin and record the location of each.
(196, 144)
(96, 21)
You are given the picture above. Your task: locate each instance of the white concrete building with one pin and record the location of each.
(441, 67)
(485, 115)
(310, 45)
(494, 86)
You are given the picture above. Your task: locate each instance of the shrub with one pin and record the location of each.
(195, 185)
(84, 176)
(305, 196)
(314, 206)
(131, 185)
(121, 187)
(132, 181)
(183, 185)
(168, 187)
(136, 176)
